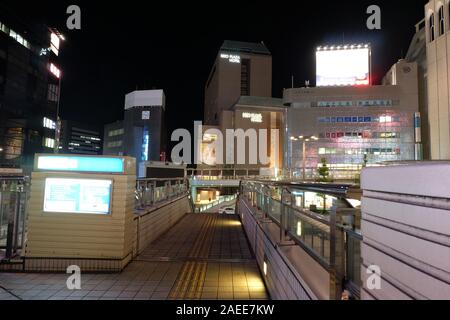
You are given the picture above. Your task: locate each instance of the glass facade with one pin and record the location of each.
(385, 135)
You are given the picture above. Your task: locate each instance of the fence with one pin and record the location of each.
(336, 172)
(222, 199)
(150, 192)
(333, 240)
(14, 192)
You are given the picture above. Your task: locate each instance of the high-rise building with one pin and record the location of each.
(80, 138)
(29, 90)
(142, 133)
(240, 69)
(437, 32)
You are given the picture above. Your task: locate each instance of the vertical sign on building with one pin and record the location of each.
(418, 150)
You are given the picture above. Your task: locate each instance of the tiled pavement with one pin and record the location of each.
(205, 256)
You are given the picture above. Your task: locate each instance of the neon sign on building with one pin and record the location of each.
(231, 57)
(254, 117)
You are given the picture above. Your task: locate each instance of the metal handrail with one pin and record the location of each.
(14, 190)
(311, 222)
(150, 192)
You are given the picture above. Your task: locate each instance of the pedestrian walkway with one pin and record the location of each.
(204, 256)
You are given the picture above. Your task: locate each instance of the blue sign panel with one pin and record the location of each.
(80, 164)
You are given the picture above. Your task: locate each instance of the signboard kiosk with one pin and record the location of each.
(80, 213)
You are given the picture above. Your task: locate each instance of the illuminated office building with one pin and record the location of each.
(240, 69)
(80, 138)
(354, 124)
(29, 90)
(142, 133)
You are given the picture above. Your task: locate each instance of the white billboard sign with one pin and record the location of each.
(343, 66)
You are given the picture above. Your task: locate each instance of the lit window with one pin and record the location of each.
(54, 43)
(384, 119)
(117, 132)
(55, 70)
(13, 34)
(49, 143)
(3, 28)
(49, 124)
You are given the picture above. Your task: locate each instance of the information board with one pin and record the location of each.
(84, 196)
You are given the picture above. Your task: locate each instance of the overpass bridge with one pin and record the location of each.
(179, 254)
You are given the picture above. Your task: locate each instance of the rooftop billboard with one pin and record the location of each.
(343, 66)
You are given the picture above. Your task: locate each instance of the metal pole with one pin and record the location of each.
(304, 160)
(58, 121)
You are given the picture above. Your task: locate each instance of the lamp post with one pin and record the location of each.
(304, 140)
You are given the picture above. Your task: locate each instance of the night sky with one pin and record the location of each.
(172, 45)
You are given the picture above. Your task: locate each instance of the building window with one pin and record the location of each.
(114, 144)
(52, 93)
(15, 36)
(54, 43)
(245, 77)
(441, 21)
(431, 26)
(49, 124)
(55, 70)
(145, 115)
(49, 143)
(3, 28)
(115, 133)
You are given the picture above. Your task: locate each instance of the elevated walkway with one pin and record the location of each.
(204, 256)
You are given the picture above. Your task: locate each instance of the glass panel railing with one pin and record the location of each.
(314, 235)
(353, 267)
(301, 226)
(275, 210)
(152, 191)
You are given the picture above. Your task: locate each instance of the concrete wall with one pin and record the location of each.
(405, 225)
(151, 225)
(291, 273)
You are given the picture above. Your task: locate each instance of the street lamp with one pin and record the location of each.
(304, 140)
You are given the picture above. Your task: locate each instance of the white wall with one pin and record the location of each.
(406, 230)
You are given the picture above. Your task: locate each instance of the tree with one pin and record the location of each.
(324, 171)
(365, 160)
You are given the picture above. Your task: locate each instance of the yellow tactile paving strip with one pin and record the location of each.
(204, 256)
(203, 275)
